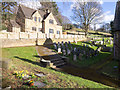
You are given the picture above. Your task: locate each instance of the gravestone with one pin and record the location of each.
(74, 57)
(99, 49)
(111, 42)
(75, 49)
(62, 43)
(68, 52)
(80, 56)
(55, 46)
(39, 84)
(64, 52)
(71, 49)
(59, 50)
(87, 46)
(101, 42)
(69, 42)
(58, 43)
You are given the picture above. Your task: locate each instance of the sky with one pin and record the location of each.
(65, 7)
(108, 10)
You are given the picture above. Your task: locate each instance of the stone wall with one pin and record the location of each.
(34, 35)
(12, 39)
(32, 42)
(117, 45)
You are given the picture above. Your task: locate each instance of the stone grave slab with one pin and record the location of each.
(39, 84)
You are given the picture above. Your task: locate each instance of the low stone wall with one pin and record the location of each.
(32, 42)
(34, 35)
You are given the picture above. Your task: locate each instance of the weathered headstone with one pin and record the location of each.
(59, 50)
(68, 52)
(80, 56)
(55, 46)
(64, 52)
(74, 57)
(62, 43)
(111, 42)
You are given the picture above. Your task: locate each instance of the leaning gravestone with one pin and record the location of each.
(68, 52)
(55, 46)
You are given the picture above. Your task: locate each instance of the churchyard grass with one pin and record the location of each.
(23, 58)
(111, 69)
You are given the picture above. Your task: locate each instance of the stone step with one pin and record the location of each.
(55, 59)
(60, 64)
(58, 61)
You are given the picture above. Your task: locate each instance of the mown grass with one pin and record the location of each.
(26, 60)
(89, 31)
(109, 69)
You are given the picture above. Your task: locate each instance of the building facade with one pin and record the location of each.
(117, 32)
(30, 20)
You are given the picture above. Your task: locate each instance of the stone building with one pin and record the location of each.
(117, 32)
(30, 20)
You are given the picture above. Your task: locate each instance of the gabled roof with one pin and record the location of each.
(14, 24)
(28, 12)
(42, 13)
(57, 20)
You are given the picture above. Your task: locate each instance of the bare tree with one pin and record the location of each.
(85, 13)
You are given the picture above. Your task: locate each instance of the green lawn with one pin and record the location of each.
(23, 58)
(109, 69)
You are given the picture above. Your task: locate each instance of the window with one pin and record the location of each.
(35, 18)
(34, 28)
(58, 32)
(51, 31)
(51, 21)
(39, 19)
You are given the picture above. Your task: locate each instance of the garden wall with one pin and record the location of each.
(32, 42)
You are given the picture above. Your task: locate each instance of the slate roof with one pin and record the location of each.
(28, 12)
(117, 17)
(14, 24)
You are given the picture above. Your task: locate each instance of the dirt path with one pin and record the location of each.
(87, 73)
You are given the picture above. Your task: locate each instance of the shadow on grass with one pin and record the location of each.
(30, 61)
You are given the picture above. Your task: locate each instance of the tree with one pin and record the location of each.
(112, 28)
(52, 6)
(85, 13)
(7, 10)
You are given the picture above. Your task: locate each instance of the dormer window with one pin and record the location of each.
(35, 18)
(51, 21)
(39, 19)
